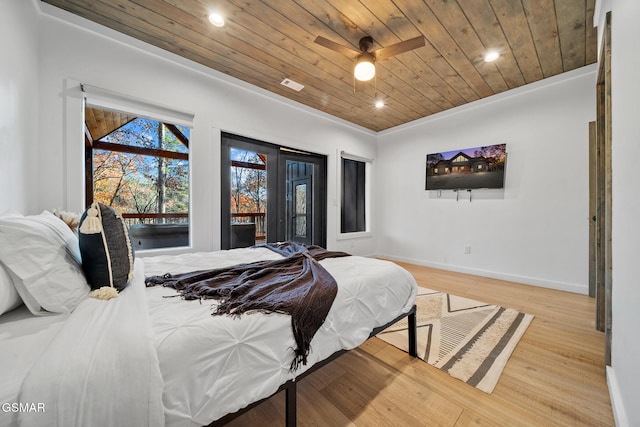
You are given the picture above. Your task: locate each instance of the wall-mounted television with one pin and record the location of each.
(468, 169)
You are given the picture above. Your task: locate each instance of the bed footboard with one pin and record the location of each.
(290, 386)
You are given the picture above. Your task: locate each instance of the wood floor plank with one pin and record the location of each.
(555, 376)
(392, 387)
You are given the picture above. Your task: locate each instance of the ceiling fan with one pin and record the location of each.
(365, 68)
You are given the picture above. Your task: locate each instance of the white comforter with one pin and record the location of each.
(101, 369)
(214, 365)
(146, 360)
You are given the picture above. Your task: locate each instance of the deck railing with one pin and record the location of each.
(251, 217)
(155, 218)
(256, 218)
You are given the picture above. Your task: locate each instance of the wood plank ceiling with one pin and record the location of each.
(265, 41)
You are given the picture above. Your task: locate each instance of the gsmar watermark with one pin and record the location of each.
(23, 407)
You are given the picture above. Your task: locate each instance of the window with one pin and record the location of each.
(248, 194)
(140, 166)
(353, 211)
(459, 159)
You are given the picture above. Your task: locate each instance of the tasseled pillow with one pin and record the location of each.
(107, 257)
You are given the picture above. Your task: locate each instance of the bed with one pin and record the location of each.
(148, 357)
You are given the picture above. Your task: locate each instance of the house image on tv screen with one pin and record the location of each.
(471, 168)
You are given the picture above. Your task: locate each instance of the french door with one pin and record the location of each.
(271, 193)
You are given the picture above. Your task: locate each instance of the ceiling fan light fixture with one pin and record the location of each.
(365, 69)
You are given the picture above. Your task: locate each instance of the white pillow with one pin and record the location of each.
(9, 298)
(42, 256)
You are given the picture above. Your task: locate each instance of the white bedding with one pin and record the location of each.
(101, 369)
(143, 359)
(23, 337)
(214, 365)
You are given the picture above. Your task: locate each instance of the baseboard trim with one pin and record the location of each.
(619, 414)
(560, 286)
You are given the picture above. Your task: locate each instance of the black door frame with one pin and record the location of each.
(276, 188)
(318, 192)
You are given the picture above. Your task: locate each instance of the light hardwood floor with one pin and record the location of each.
(555, 376)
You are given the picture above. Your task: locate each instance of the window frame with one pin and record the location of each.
(368, 167)
(113, 101)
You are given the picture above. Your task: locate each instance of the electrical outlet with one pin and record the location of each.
(467, 249)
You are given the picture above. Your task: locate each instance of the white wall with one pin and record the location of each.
(91, 54)
(536, 229)
(18, 105)
(625, 63)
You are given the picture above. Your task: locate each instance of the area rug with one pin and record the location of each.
(468, 339)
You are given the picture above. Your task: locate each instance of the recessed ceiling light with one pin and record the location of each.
(216, 19)
(491, 56)
(379, 104)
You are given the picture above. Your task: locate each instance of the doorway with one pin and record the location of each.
(600, 193)
(271, 193)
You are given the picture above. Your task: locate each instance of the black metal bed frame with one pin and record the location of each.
(290, 386)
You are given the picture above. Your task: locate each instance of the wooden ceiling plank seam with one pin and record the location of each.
(348, 114)
(276, 20)
(545, 35)
(412, 91)
(267, 38)
(401, 65)
(425, 20)
(135, 32)
(345, 113)
(248, 61)
(404, 94)
(486, 25)
(235, 32)
(591, 41)
(397, 23)
(255, 64)
(233, 41)
(408, 90)
(510, 14)
(339, 24)
(450, 49)
(571, 31)
(429, 98)
(459, 28)
(446, 77)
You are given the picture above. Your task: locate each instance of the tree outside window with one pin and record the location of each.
(140, 166)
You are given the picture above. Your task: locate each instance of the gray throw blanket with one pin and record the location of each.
(296, 285)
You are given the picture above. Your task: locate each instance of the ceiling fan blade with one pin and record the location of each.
(337, 47)
(395, 49)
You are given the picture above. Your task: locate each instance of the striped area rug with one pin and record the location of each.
(469, 340)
